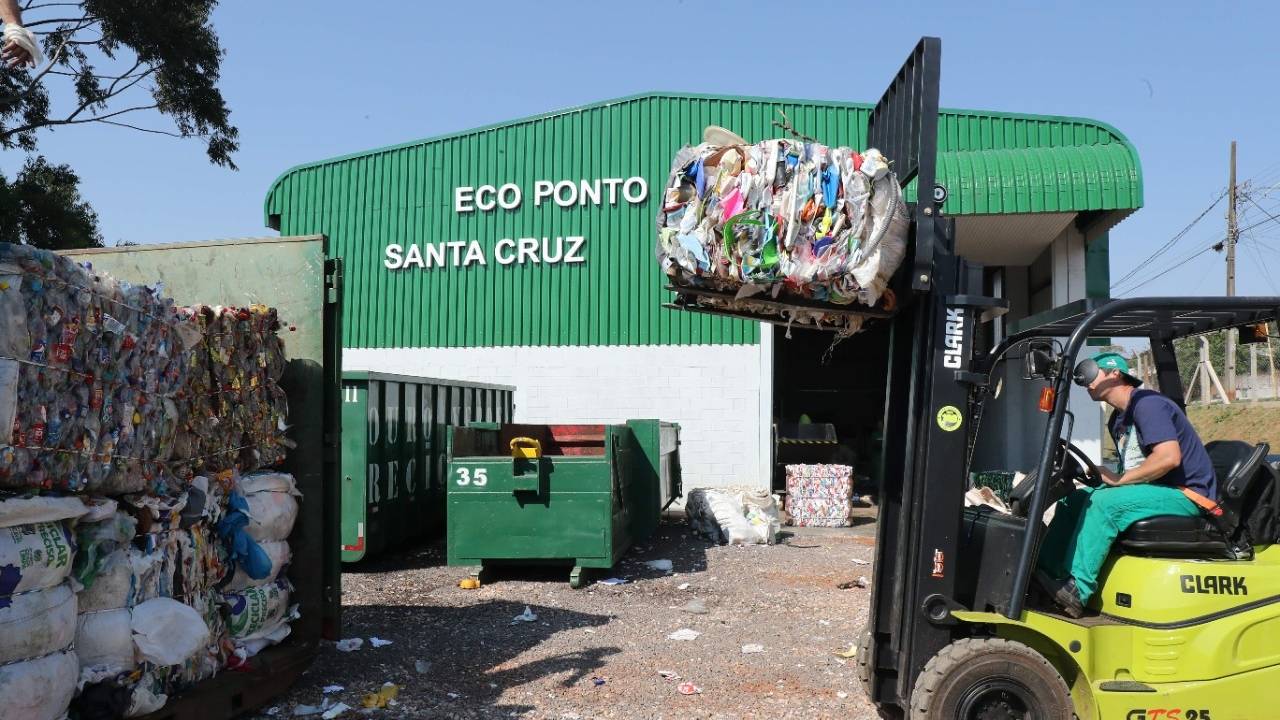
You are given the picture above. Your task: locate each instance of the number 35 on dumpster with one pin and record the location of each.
(476, 478)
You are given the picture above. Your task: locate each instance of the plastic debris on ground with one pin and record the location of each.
(380, 699)
(527, 616)
(860, 561)
(752, 648)
(349, 644)
(335, 711)
(668, 675)
(682, 586)
(330, 689)
(660, 565)
(852, 652)
(695, 607)
(688, 688)
(469, 584)
(597, 681)
(614, 581)
(820, 495)
(860, 582)
(747, 517)
(784, 220)
(422, 667)
(684, 634)
(378, 642)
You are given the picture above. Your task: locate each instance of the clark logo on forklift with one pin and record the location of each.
(1168, 714)
(953, 345)
(1213, 585)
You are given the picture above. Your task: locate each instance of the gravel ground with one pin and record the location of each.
(458, 653)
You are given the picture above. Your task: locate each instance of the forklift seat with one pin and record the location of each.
(1241, 471)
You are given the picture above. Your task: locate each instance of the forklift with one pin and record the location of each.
(1186, 621)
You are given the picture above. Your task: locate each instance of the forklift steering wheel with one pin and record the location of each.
(1082, 469)
(1070, 464)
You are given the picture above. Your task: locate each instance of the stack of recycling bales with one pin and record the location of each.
(820, 495)
(782, 221)
(263, 509)
(136, 418)
(38, 665)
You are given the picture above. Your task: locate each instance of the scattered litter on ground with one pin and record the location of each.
(412, 596)
(860, 561)
(663, 565)
(682, 586)
(842, 695)
(684, 634)
(382, 697)
(309, 710)
(824, 622)
(597, 681)
(469, 584)
(330, 689)
(272, 711)
(688, 688)
(852, 652)
(695, 607)
(861, 582)
(378, 642)
(349, 644)
(751, 648)
(526, 616)
(614, 581)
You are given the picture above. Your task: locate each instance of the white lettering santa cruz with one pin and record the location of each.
(953, 344)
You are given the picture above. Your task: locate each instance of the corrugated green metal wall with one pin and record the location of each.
(405, 194)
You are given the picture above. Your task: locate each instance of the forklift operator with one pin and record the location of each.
(1163, 470)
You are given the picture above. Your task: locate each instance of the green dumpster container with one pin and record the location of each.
(581, 498)
(393, 453)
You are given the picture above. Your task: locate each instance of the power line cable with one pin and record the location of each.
(1217, 245)
(1168, 245)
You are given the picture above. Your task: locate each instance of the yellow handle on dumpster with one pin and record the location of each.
(523, 448)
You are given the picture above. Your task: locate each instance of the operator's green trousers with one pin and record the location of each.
(1088, 520)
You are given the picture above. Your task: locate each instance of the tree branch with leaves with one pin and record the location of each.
(146, 65)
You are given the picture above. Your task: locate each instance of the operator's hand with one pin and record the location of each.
(14, 55)
(1110, 477)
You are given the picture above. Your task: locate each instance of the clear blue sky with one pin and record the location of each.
(308, 80)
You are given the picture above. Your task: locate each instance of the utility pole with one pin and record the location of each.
(1253, 373)
(1232, 233)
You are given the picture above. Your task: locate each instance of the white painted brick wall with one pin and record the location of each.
(713, 391)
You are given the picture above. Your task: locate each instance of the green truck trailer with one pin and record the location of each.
(296, 276)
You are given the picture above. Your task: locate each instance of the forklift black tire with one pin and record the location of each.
(990, 679)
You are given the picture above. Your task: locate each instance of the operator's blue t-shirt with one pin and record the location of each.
(1158, 419)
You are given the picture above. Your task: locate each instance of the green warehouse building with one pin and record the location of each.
(522, 253)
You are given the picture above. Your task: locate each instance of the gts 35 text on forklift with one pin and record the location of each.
(1185, 623)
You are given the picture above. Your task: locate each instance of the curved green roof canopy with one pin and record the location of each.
(991, 163)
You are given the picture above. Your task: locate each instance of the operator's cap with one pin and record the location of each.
(1087, 370)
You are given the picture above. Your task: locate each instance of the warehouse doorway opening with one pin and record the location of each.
(828, 402)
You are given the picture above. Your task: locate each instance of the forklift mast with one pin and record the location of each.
(929, 400)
